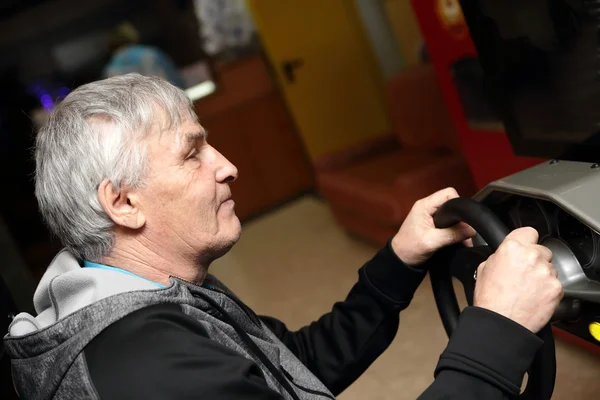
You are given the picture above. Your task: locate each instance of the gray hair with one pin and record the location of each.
(97, 132)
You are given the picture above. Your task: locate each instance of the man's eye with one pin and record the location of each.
(192, 154)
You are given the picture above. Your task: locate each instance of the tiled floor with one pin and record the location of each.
(295, 263)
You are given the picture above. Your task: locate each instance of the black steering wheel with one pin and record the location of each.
(461, 263)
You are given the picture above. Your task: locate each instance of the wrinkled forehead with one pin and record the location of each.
(178, 126)
(179, 136)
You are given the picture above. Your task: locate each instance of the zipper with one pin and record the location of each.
(253, 345)
(277, 374)
(303, 388)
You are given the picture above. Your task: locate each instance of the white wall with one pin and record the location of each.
(381, 36)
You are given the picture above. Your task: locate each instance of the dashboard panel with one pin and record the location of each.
(552, 221)
(531, 212)
(581, 240)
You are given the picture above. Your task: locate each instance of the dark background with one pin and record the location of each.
(47, 49)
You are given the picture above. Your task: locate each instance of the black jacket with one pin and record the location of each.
(159, 352)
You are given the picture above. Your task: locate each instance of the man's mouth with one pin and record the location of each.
(227, 200)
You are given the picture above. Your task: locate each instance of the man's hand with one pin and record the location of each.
(519, 281)
(418, 238)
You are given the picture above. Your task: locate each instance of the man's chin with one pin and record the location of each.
(236, 235)
(231, 238)
(236, 228)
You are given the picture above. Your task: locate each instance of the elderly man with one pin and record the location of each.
(127, 180)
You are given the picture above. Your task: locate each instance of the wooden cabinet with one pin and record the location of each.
(248, 122)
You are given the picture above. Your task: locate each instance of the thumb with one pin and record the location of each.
(525, 234)
(437, 199)
(455, 234)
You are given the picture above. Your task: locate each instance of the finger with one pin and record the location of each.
(480, 269)
(468, 243)
(435, 201)
(552, 269)
(466, 229)
(545, 253)
(455, 234)
(526, 234)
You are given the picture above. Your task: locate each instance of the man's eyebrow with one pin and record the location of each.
(192, 137)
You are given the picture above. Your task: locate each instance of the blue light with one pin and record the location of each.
(63, 92)
(47, 101)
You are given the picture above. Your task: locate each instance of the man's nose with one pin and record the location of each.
(226, 171)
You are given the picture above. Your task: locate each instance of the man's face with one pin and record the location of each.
(187, 200)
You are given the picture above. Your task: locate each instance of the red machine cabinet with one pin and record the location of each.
(486, 148)
(485, 145)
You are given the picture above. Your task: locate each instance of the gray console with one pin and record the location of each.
(561, 200)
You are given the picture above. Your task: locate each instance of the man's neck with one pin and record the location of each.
(154, 263)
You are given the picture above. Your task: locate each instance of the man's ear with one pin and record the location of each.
(120, 205)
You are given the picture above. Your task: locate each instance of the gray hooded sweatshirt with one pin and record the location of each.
(74, 304)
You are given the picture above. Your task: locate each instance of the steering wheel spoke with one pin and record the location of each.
(464, 267)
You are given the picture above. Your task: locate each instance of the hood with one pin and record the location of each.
(73, 304)
(67, 287)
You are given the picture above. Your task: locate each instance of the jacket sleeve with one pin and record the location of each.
(343, 343)
(160, 353)
(486, 358)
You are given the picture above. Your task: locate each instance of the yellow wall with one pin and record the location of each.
(406, 27)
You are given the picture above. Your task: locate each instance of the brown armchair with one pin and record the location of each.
(371, 188)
